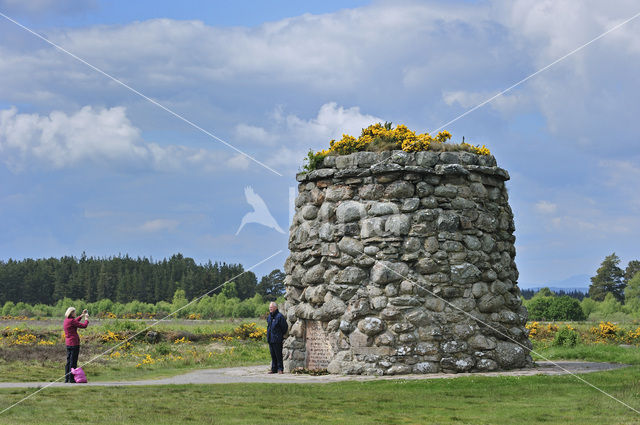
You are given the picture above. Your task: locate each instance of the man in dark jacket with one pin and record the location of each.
(276, 329)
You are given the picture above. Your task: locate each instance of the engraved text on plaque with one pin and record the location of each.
(318, 347)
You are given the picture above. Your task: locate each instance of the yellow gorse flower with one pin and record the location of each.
(383, 137)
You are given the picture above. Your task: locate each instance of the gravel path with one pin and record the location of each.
(258, 374)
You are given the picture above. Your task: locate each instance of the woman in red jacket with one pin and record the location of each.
(71, 338)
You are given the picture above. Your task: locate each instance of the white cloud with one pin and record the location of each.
(158, 225)
(506, 103)
(545, 207)
(581, 97)
(254, 134)
(103, 137)
(239, 161)
(298, 135)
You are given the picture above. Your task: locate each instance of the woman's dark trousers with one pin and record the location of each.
(72, 362)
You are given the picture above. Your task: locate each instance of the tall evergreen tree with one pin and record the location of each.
(271, 286)
(632, 268)
(608, 279)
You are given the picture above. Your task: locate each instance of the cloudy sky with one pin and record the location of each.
(88, 165)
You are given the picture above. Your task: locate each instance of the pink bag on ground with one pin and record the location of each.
(79, 376)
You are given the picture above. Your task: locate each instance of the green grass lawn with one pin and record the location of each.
(467, 400)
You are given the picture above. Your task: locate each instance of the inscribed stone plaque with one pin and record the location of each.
(318, 347)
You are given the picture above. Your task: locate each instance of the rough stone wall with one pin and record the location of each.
(394, 256)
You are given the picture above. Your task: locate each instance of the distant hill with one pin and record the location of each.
(578, 282)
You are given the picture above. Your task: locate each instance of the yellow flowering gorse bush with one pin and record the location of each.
(379, 137)
(17, 336)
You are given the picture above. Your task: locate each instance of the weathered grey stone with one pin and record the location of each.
(406, 300)
(351, 246)
(479, 289)
(371, 326)
(463, 330)
(399, 189)
(315, 294)
(338, 193)
(391, 290)
(412, 245)
(510, 355)
(374, 291)
(360, 307)
(431, 244)
(365, 159)
(390, 313)
(427, 266)
(384, 272)
(446, 191)
(427, 159)
(417, 317)
(372, 227)
(410, 204)
(464, 364)
(454, 346)
(465, 273)
(398, 224)
(383, 208)
(472, 243)
(499, 287)
(309, 212)
(434, 304)
(331, 309)
(448, 222)
(314, 275)
(424, 189)
(371, 191)
(304, 311)
(378, 303)
(490, 303)
(345, 161)
(326, 212)
(426, 367)
(385, 338)
(406, 287)
(344, 292)
(430, 333)
(351, 275)
(398, 369)
(348, 211)
(486, 365)
(402, 327)
(480, 342)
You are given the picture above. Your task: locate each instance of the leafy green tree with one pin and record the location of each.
(179, 300)
(608, 279)
(545, 292)
(229, 290)
(588, 306)
(538, 307)
(565, 308)
(632, 292)
(610, 305)
(271, 286)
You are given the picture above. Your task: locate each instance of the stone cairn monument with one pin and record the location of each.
(404, 263)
